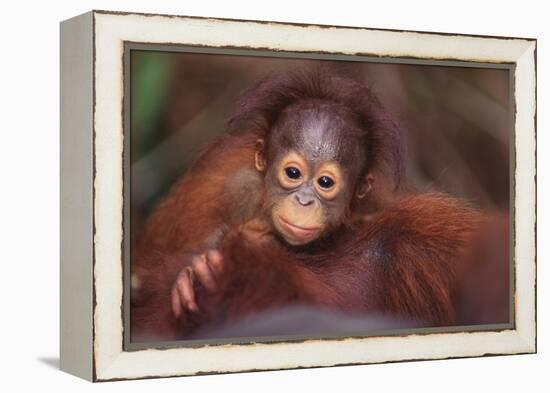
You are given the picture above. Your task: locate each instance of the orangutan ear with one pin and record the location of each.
(259, 155)
(365, 186)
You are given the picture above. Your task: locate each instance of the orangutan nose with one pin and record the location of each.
(304, 199)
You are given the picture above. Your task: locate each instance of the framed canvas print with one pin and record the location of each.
(245, 195)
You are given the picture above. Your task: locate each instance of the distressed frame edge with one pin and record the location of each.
(525, 193)
(526, 338)
(303, 24)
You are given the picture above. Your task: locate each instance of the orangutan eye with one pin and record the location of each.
(293, 173)
(325, 182)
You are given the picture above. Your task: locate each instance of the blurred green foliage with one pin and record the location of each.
(150, 76)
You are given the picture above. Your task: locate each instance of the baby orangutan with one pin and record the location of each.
(312, 165)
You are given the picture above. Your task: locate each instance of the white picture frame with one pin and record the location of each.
(92, 194)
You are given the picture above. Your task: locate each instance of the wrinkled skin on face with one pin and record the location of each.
(313, 162)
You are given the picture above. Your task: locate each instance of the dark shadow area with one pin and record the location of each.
(52, 362)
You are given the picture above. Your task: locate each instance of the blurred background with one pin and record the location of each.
(455, 120)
